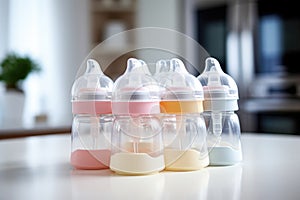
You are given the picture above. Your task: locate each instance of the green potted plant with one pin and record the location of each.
(15, 68)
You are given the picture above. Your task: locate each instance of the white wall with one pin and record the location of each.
(3, 26)
(56, 34)
(67, 38)
(3, 41)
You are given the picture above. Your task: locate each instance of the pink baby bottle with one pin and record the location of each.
(137, 145)
(184, 129)
(92, 119)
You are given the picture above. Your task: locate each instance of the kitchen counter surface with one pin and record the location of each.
(38, 167)
(10, 130)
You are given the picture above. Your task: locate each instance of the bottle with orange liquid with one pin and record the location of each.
(181, 106)
(92, 121)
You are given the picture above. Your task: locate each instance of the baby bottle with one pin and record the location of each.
(220, 104)
(92, 121)
(184, 129)
(137, 145)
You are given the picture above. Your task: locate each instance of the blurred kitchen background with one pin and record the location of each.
(256, 42)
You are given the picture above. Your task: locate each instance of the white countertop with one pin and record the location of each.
(38, 168)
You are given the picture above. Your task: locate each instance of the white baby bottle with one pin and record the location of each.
(92, 121)
(220, 104)
(184, 129)
(137, 145)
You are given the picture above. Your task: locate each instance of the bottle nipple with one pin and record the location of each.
(93, 68)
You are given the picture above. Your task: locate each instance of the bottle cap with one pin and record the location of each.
(136, 91)
(176, 82)
(91, 92)
(220, 90)
(178, 87)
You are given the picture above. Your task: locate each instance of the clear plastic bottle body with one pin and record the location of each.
(92, 118)
(91, 141)
(137, 144)
(184, 129)
(225, 146)
(185, 142)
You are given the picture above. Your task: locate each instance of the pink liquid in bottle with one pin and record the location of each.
(91, 159)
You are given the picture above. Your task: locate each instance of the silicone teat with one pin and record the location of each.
(162, 66)
(135, 72)
(177, 66)
(173, 65)
(93, 67)
(211, 65)
(138, 66)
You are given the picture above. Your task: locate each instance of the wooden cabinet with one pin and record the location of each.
(109, 18)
